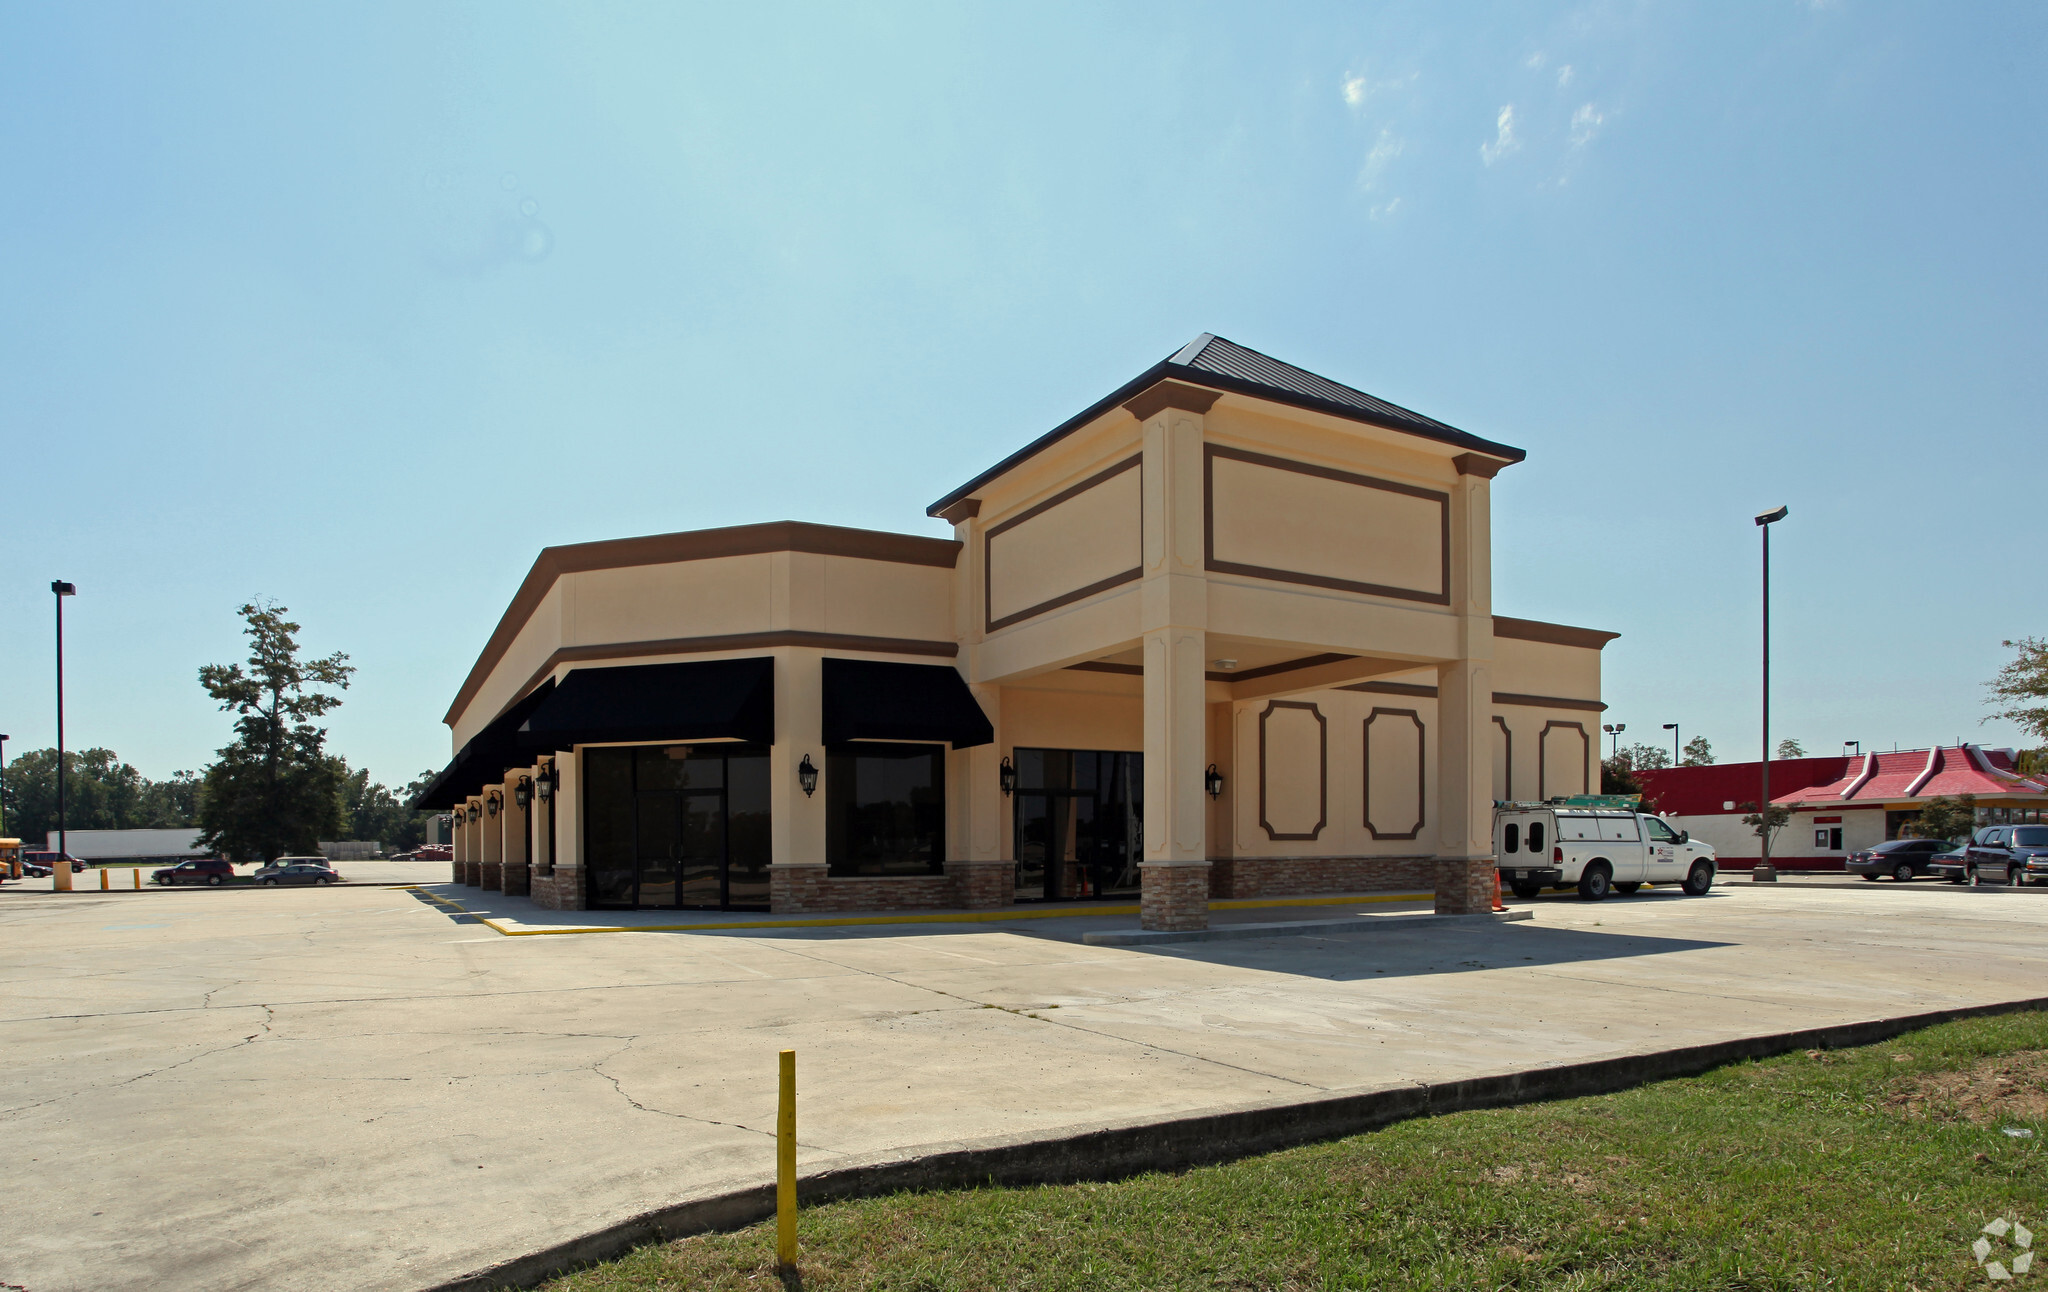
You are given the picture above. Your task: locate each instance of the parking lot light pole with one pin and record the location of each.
(1765, 873)
(60, 872)
(1672, 727)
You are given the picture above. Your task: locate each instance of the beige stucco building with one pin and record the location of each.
(1228, 632)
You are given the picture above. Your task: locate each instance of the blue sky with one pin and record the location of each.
(358, 306)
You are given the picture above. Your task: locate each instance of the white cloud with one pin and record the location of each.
(1354, 90)
(1586, 123)
(1385, 209)
(1384, 150)
(1504, 141)
(1564, 76)
(1534, 62)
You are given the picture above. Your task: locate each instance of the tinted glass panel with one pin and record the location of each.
(746, 830)
(885, 810)
(1659, 831)
(1511, 837)
(2031, 836)
(608, 826)
(1535, 836)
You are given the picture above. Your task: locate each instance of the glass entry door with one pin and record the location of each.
(1079, 824)
(677, 826)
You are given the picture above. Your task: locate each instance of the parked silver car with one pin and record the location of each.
(298, 873)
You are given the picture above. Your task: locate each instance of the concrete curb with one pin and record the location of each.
(1352, 926)
(1176, 1143)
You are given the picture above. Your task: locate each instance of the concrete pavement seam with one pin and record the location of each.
(1185, 1140)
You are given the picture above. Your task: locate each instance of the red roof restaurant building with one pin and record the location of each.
(1839, 804)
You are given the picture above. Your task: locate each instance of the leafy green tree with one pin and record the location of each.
(273, 790)
(1779, 816)
(1618, 777)
(1647, 758)
(100, 793)
(1789, 748)
(2021, 687)
(1698, 753)
(2031, 762)
(1945, 818)
(374, 812)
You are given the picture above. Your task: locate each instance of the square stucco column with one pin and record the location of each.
(458, 841)
(518, 865)
(1175, 607)
(473, 836)
(567, 810)
(1465, 862)
(492, 877)
(976, 852)
(796, 824)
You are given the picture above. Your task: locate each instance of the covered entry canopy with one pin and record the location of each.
(484, 759)
(875, 700)
(728, 698)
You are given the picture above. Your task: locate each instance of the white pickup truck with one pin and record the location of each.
(1597, 844)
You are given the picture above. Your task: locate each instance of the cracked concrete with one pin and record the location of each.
(342, 1087)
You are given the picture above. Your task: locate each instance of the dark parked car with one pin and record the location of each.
(40, 864)
(1951, 865)
(273, 867)
(301, 873)
(1902, 859)
(207, 870)
(2017, 854)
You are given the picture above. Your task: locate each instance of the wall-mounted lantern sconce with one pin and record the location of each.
(1212, 781)
(545, 786)
(474, 812)
(491, 801)
(807, 776)
(522, 793)
(1006, 776)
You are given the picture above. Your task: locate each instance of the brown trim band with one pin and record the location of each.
(1392, 688)
(691, 545)
(1478, 464)
(1211, 452)
(965, 509)
(1507, 762)
(1547, 702)
(1543, 757)
(989, 536)
(1270, 670)
(1103, 666)
(731, 641)
(1535, 630)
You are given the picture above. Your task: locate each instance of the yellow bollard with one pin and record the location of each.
(785, 1166)
(103, 879)
(138, 879)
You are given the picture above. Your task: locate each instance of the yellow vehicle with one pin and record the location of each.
(10, 858)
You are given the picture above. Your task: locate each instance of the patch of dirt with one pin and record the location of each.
(2009, 1088)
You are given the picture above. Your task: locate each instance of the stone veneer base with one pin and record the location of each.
(1464, 887)
(1174, 898)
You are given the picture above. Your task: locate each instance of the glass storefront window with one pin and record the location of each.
(677, 826)
(885, 809)
(1079, 817)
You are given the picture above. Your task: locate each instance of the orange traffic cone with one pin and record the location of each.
(1496, 892)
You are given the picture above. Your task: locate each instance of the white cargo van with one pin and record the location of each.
(1598, 843)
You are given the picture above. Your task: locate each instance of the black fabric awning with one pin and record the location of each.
(869, 699)
(730, 698)
(484, 759)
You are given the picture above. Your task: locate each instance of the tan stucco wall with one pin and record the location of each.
(1074, 544)
(1285, 520)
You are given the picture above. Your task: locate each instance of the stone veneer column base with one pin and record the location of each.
(1175, 898)
(518, 881)
(796, 887)
(493, 876)
(472, 873)
(983, 885)
(455, 871)
(1464, 885)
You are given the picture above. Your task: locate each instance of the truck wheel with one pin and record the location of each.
(2014, 876)
(1594, 881)
(1904, 874)
(213, 879)
(1871, 878)
(1626, 888)
(1525, 889)
(1700, 879)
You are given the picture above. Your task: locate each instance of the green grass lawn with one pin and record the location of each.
(1870, 1168)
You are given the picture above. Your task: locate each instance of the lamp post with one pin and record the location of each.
(1765, 873)
(1614, 730)
(1672, 727)
(60, 872)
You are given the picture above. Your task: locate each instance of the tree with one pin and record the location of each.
(1780, 815)
(100, 793)
(1789, 748)
(273, 790)
(1945, 818)
(1698, 753)
(1617, 777)
(1647, 758)
(2022, 686)
(374, 812)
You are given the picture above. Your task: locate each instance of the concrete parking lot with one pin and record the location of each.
(353, 1087)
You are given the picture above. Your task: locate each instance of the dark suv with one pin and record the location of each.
(2017, 854)
(207, 870)
(1902, 859)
